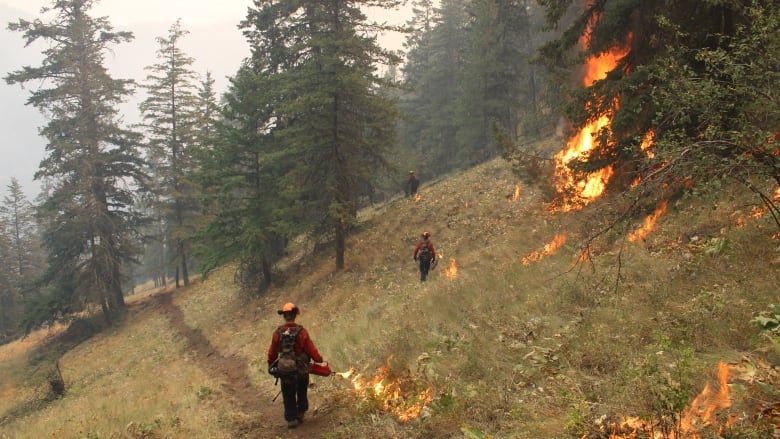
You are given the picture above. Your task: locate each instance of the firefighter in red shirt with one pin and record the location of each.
(295, 387)
(425, 254)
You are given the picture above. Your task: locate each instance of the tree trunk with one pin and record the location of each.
(184, 273)
(340, 244)
(266, 273)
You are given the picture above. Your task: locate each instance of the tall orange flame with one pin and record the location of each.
(591, 186)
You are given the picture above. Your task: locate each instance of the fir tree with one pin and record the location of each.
(328, 114)
(92, 164)
(171, 116)
(25, 263)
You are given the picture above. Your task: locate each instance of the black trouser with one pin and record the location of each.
(425, 267)
(295, 396)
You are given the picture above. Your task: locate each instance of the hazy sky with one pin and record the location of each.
(214, 41)
(129, 12)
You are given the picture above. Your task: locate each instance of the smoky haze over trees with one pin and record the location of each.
(172, 122)
(308, 130)
(21, 257)
(469, 75)
(88, 228)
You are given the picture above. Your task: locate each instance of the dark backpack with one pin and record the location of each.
(425, 254)
(288, 364)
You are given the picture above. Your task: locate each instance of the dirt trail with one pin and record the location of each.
(257, 416)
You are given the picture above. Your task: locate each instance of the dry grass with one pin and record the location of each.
(510, 349)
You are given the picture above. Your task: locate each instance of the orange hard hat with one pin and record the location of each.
(426, 235)
(288, 307)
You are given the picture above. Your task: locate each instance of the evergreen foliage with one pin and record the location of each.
(469, 76)
(495, 71)
(21, 257)
(92, 163)
(172, 118)
(241, 185)
(325, 117)
(25, 256)
(432, 76)
(10, 299)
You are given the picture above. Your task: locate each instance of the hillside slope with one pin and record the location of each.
(510, 337)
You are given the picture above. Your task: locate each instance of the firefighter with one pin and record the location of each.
(294, 387)
(425, 254)
(411, 184)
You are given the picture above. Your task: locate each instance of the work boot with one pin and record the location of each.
(292, 424)
(300, 417)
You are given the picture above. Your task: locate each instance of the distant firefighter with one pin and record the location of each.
(412, 183)
(425, 254)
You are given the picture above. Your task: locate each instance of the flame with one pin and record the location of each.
(417, 197)
(650, 222)
(396, 395)
(701, 413)
(515, 196)
(591, 186)
(742, 219)
(647, 143)
(703, 408)
(452, 271)
(549, 249)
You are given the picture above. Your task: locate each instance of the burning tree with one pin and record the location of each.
(686, 100)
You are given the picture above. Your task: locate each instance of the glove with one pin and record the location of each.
(415, 259)
(273, 370)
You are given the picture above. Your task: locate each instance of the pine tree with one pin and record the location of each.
(10, 299)
(171, 116)
(25, 263)
(495, 69)
(433, 74)
(208, 115)
(92, 164)
(328, 113)
(240, 181)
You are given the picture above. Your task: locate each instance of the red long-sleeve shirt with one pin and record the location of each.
(420, 246)
(302, 344)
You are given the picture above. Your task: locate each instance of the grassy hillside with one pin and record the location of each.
(513, 335)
